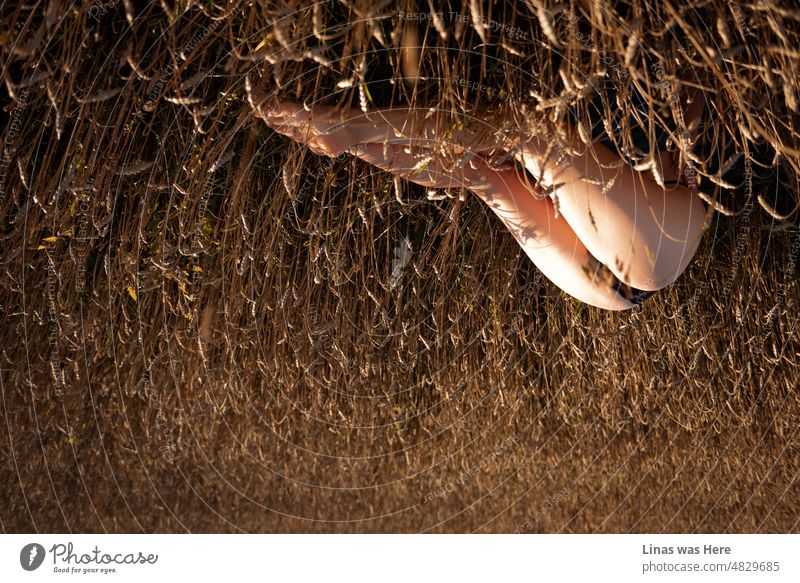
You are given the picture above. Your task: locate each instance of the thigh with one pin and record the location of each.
(645, 234)
(546, 239)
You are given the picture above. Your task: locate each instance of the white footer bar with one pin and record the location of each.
(400, 558)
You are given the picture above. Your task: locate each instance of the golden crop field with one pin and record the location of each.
(207, 327)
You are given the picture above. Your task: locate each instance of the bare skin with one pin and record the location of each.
(634, 229)
(644, 234)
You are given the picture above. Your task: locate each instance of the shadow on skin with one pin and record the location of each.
(615, 230)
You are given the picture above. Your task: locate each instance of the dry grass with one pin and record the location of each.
(199, 327)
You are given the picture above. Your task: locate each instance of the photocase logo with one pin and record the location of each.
(31, 556)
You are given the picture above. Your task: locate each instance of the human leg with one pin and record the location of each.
(332, 131)
(645, 234)
(547, 240)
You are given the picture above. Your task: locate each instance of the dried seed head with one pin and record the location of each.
(410, 53)
(476, 19)
(546, 19)
(630, 50)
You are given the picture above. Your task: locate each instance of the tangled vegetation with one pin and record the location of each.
(206, 327)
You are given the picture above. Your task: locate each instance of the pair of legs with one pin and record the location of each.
(603, 229)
